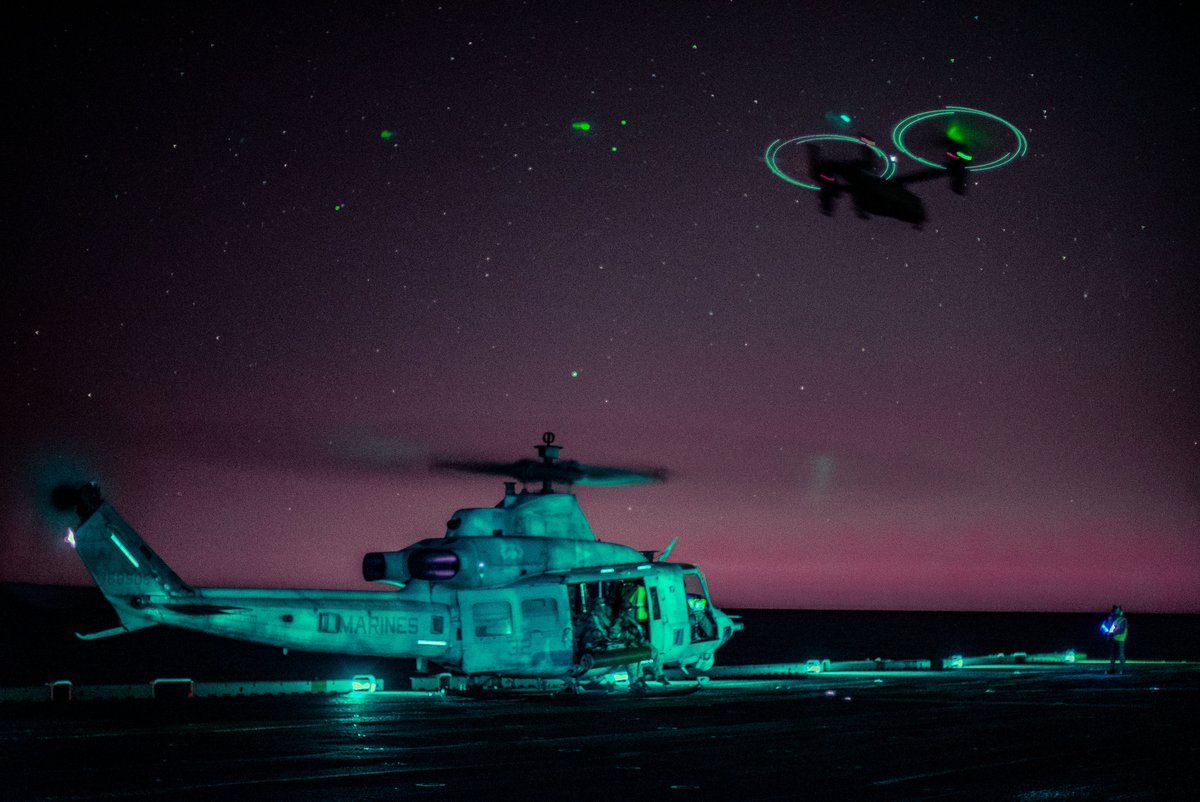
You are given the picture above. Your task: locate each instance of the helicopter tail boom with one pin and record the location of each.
(144, 591)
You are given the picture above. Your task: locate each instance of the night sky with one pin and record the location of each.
(251, 246)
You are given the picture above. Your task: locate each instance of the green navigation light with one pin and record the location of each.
(337, 207)
(385, 134)
(844, 118)
(614, 148)
(624, 122)
(962, 156)
(580, 125)
(574, 374)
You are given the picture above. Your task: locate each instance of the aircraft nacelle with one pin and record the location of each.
(523, 535)
(489, 562)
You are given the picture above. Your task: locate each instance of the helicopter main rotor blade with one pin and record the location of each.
(610, 476)
(568, 472)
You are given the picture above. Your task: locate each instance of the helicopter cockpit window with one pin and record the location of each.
(492, 619)
(700, 617)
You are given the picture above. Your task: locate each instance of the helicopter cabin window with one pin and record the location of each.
(539, 613)
(492, 619)
(437, 625)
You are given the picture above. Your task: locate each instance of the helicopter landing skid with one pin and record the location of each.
(664, 688)
(495, 687)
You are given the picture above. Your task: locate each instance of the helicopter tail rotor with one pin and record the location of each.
(57, 492)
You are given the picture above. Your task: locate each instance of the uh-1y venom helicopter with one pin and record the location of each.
(875, 195)
(523, 589)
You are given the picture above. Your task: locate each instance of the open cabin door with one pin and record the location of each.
(517, 631)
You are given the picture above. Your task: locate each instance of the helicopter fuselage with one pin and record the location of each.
(523, 589)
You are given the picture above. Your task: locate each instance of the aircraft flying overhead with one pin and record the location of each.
(964, 140)
(873, 194)
(523, 589)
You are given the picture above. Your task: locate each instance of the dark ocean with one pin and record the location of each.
(37, 641)
(797, 635)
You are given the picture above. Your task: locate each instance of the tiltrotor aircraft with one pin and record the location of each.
(873, 195)
(523, 589)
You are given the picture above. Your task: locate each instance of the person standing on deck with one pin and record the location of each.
(1116, 628)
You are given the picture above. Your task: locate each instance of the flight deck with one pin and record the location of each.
(1020, 732)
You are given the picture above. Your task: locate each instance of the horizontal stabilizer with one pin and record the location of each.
(108, 633)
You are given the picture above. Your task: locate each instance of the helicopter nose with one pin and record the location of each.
(727, 626)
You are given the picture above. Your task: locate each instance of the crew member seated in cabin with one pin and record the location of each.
(703, 626)
(592, 621)
(629, 626)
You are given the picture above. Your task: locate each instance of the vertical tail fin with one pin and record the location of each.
(128, 572)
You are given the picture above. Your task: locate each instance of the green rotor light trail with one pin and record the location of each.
(773, 149)
(956, 133)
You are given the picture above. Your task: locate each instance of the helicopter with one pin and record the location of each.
(520, 590)
(875, 195)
